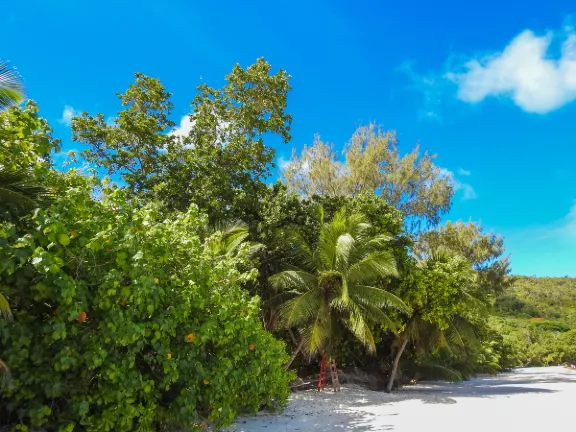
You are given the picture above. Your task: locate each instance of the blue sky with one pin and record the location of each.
(488, 86)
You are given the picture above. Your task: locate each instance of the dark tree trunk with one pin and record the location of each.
(395, 365)
(294, 354)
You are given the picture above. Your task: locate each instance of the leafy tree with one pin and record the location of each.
(129, 320)
(483, 251)
(334, 284)
(25, 146)
(219, 163)
(133, 145)
(11, 87)
(412, 183)
(438, 292)
(26, 140)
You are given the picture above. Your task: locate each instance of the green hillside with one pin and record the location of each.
(537, 317)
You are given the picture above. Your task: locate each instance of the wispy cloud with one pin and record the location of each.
(465, 189)
(567, 225)
(464, 172)
(67, 115)
(432, 88)
(562, 230)
(537, 72)
(282, 163)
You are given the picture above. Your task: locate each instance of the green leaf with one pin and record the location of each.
(63, 239)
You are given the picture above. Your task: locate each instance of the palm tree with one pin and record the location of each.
(11, 87)
(426, 335)
(18, 193)
(334, 285)
(232, 235)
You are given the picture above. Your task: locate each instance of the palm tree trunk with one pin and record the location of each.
(395, 365)
(294, 354)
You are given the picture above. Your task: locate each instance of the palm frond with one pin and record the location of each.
(5, 310)
(233, 234)
(358, 326)
(375, 243)
(446, 372)
(300, 309)
(19, 193)
(11, 86)
(372, 267)
(318, 332)
(281, 297)
(460, 331)
(301, 251)
(365, 294)
(344, 248)
(297, 279)
(378, 316)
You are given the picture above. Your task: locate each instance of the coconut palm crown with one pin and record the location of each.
(336, 284)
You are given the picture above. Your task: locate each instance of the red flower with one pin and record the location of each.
(82, 317)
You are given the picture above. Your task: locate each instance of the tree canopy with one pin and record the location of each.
(373, 162)
(164, 287)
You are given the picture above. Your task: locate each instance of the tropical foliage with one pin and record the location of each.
(145, 325)
(171, 297)
(538, 320)
(11, 88)
(333, 284)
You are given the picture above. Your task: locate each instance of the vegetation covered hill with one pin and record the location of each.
(537, 317)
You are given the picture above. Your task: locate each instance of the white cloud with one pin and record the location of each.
(466, 189)
(67, 115)
(464, 172)
(186, 125)
(526, 71)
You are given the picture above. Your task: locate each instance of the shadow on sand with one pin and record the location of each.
(359, 410)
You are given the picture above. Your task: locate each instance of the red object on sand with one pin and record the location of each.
(322, 378)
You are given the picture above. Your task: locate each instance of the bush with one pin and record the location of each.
(124, 321)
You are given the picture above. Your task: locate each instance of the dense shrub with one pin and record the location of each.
(124, 321)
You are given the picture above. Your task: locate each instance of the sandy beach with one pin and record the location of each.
(531, 399)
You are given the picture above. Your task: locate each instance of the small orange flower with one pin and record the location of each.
(190, 338)
(156, 280)
(82, 317)
(251, 347)
(169, 356)
(206, 382)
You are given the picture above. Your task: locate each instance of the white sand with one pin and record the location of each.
(534, 399)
